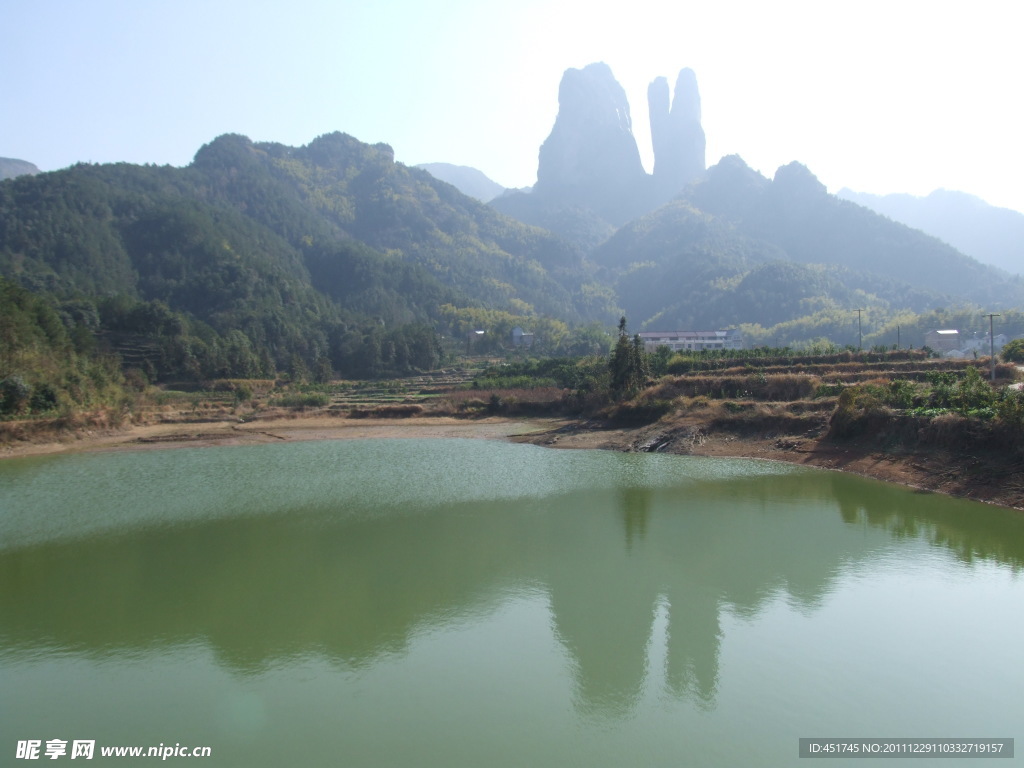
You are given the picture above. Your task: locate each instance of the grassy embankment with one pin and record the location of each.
(891, 401)
(898, 403)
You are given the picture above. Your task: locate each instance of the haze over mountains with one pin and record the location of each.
(702, 247)
(990, 234)
(590, 178)
(260, 257)
(469, 181)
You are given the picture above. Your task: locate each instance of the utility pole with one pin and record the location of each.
(897, 338)
(992, 345)
(860, 336)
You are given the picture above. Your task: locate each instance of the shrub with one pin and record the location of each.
(298, 400)
(773, 387)
(973, 392)
(829, 390)
(1013, 352)
(403, 411)
(637, 413)
(513, 382)
(14, 394)
(43, 399)
(1010, 408)
(734, 407)
(901, 393)
(842, 423)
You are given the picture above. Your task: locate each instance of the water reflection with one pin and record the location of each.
(356, 590)
(636, 510)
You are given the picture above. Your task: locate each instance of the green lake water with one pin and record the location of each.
(477, 603)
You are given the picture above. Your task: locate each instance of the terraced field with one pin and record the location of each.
(245, 399)
(347, 397)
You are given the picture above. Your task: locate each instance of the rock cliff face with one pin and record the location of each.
(589, 177)
(591, 157)
(11, 168)
(676, 133)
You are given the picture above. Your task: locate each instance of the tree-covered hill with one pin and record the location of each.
(680, 267)
(337, 187)
(795, 213)
(738, 249)
(103, 228)
(260, 257)
(990, 234)
(44, 368)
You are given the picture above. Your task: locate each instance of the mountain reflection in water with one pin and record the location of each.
(606, 550)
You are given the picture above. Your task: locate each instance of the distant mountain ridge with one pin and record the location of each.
(469, 181)
(990, 234)
(733, 247)
(11, 168)
(260, 257)
(736, 247)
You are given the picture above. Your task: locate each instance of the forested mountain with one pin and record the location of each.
(990, 234)
(333, 259)
(262, 257)
(680, 267)
(337, 188)
(730, 247)
(43, 363)
(737, 248)
(795, 212)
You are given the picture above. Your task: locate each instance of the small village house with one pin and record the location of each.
(692, 341)
(521, 338)
(942, 341)
(980, 346)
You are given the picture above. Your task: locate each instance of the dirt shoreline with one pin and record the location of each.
(177, 434)
(991, 479)
(994, 479)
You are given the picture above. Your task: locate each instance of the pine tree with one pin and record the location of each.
(627, 365)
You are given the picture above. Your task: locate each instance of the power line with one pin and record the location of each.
(992, 344)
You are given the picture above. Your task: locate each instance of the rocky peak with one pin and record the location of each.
(591, 151)
(11, 168)
(676, 132)
(795, 181)
(729, 188)
(590, 164)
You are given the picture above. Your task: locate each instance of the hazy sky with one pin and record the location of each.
(893, 96)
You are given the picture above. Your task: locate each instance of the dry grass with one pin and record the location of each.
(506, 402)
(783, 387)
(34, 430)
(403, 411)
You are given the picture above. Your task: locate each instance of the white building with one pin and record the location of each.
(692, 341)
(980, 347)
(942, 341)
